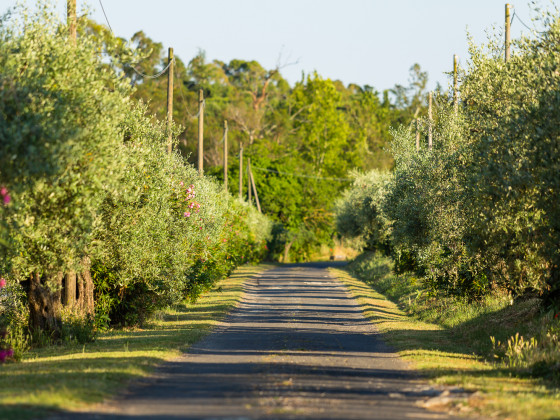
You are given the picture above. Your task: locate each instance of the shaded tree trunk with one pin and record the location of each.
(44, 297)
(69, 290)
(85, 301)
(287, 247)
(47, 294)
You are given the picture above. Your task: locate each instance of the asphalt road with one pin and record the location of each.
(297, 347)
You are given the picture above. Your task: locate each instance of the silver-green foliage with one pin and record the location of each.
(149, 234)
(513, 185)
(358, 211)
(90, 177)
(480, 209)
(61, 111)
(426, 196)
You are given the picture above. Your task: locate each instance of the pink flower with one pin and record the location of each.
(191, 186)
(187, 214)
(197, 206)
(181, 183)
(2, 282)
(5, 196)
(191, 205)
(5, 354)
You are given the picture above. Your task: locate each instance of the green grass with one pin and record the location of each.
(73, 377)
(449, 341)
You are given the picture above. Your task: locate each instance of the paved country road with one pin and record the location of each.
(297, 347)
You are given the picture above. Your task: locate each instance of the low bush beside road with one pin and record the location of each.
(72, 376)
(505, 353)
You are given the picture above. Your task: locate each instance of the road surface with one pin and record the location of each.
(297, 347)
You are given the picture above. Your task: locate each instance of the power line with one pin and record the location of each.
(152, 76)
(187, 108)
(147, 76)
(302, 176)
(515, 15)
(105, 14)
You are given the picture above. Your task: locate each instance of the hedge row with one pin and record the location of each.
(479, 210)
(102, 220)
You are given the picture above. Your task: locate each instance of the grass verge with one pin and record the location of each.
(70, 377)
(446, 343)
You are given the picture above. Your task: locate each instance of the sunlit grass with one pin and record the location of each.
(73, 377)
(445, 353)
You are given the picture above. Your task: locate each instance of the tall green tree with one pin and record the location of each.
(61, 110)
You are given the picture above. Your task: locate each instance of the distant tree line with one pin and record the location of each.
(318, 127)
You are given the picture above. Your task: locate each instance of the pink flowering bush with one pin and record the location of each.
(168, 234)
(5, 196)
(93, 190)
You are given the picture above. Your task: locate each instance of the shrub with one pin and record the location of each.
(538, 355)
(479, 210)
(95, 191)
(359, 213)
(14, 340)
(77, 327)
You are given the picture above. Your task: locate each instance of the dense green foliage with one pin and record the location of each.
(103, 221)
(359, 214)
(95, 193)
(298, 138)
(479, 211)
(168, 234)
(61, 142)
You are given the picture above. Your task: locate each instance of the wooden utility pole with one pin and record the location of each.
(71, 20)
(455, 84)
(70, 282)
(201, 131)
(417, 134)
(69, 295)
(169, 100)
(254, 188)
(241, 172)
(249, 179)
(430, 120)
(225, 155)
(508, 34)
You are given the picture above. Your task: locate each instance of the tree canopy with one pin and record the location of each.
(302, 140)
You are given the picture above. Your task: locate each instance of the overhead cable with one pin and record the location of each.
(302, 176)
(153, 76)
(147, 76)
(105, 14)
(524, 24)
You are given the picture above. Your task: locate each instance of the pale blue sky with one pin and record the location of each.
(370, 42)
